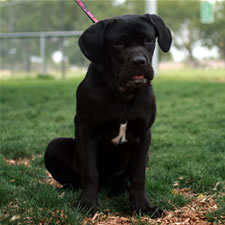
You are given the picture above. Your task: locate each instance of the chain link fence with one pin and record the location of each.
(29, 54)
(27, 51)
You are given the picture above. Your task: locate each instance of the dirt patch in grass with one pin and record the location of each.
(21, 161)
(27, 162)
(193, 213)
(220, 79)
(50, 180)
(31, 218)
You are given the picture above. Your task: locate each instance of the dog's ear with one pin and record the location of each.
(163, 32)
(91, 42)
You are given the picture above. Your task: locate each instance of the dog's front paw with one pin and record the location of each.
(88, 205)
(85, 205)
(142, 205)
(152, 211)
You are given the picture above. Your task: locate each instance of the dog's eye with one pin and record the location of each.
(149, 41)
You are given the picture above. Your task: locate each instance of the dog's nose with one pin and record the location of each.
(138, 61)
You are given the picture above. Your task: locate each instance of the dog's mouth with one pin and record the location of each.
(135, 82)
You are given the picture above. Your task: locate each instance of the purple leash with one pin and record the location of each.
(87, 12)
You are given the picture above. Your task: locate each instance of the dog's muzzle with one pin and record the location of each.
(135, 82)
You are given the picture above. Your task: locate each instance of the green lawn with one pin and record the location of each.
(188, 146)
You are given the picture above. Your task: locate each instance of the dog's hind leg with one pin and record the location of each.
(59, 162)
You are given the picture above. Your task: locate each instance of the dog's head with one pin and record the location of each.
(125, 45)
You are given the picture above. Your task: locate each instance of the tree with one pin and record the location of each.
(214, 34)
(183, 19)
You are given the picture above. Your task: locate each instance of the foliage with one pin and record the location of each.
(184, 20)
(214, 34)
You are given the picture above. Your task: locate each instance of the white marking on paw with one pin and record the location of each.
(121, 138)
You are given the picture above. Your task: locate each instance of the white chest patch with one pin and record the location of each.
(121, 138)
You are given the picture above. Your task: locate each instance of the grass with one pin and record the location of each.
(188, 146)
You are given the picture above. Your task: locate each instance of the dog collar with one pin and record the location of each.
(87, 12)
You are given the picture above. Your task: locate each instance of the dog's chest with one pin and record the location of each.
(121, 137)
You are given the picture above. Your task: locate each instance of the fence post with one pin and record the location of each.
(63, 66)
(42, 52)
(151, 7)
(62, 12)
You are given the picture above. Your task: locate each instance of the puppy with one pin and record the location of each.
(114, 114)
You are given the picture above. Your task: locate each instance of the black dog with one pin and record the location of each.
(115, 111)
